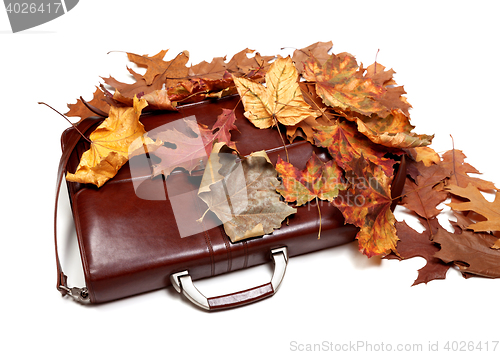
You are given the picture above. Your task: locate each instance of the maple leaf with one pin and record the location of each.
(110, 145)
(242, 193)
(159, 74)
(190, 144)
(81, 110)
(470, 251)
(413, 244)
(317, 180)
(341, 84)
(478, 204)
(367, 205)
(346, 145)
(423, 195)
(392, 131)
(281, 100)
(454, 160)
(318, 50)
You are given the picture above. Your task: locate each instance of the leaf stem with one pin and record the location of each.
(319, 213)
(66, 118)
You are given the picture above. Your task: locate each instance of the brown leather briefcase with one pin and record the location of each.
(130, 245)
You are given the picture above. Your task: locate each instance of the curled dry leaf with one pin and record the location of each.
(392, 131)
(280, 100)
(242, 193)
(426, 155)
(110, 145)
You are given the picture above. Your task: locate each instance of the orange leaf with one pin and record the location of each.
(111, 145)
(341, 84)
(367, 205)
(346, 145)
(317, 180)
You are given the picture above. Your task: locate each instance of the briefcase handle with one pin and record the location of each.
(183, 284)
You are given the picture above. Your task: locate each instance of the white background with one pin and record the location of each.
(445, 54)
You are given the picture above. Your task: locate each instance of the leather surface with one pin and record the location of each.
(131, 245)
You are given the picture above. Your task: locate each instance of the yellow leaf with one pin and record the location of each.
(110, 144)
(281, 99)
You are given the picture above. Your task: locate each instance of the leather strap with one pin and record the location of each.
(71, 140)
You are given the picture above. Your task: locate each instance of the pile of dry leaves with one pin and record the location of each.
(358, 114)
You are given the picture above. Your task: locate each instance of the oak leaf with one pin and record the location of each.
(477, 203)
(341, 83)
(241, 191)
(318, 180)
(190, 144)
(367, 205)
(279, 101)
(454, 160)
(110, 145)
(80, 110)
(413, 244)
(346, 145)
(470, 251)
(426, 192)
(159, 74)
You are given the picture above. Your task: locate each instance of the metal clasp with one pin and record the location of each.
(78, 294)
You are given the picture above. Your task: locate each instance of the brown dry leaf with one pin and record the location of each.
(454, 160)
(110, 145)
(477, 203)
(159, 74)
(280, 100)
(318, 50)
(214, 70)
(423, 195)
(242, 193)
(412, 244)
(80, 110)
(470, 251)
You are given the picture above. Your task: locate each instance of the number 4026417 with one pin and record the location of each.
(31, 8)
